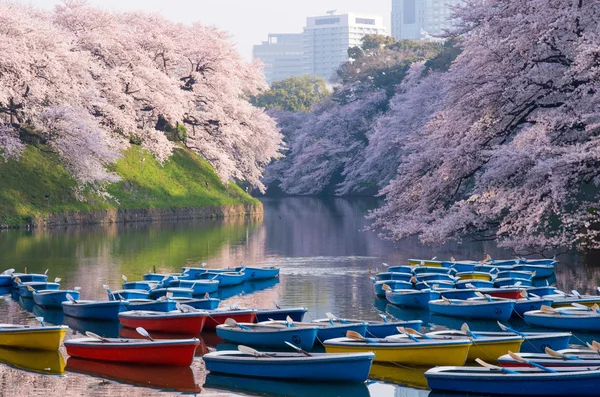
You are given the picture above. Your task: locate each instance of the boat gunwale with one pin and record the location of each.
(129, 343)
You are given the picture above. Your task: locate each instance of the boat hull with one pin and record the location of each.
(39, 338)
(158, 352)
(95, 310)
(416, 299)
(394, 284)
(177, 292)
(53, 298)
(531, 383)
(575, 322)
(259, 273)
(152, 305)
(173, 323)
(414, 354)
(28, 278)
(381, 330)
(319, 367)
(225, 279)
(525, 305)
(270, 336)
(199, 287)
(497, 310)
(296, 314)
(201, 304)
(24, 292)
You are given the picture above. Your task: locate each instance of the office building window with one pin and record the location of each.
(410, 11)
(327, 21)
(365, 21)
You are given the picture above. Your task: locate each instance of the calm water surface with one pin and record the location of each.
(325, 258)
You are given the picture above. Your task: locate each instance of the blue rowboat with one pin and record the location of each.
(433, 284)
(464, 284)
(160, 305)
(527, 382)
(394, 276)
(569, 319)
(541, 291)
(6, 278)
(26, 293)
(515, 274)
(193, 273)
(199, 287)
(27, 278)
(458, 293)
(350, 367)
(534, 342)
(511, 282)
(399, 269)
(487, 268)
(164, 278)
(541, 270)
(394, 284)
(177, 292)
(409, 298)
(51, 315)
(128, 294)
(203, 304)
(226, 279)
(577, 358)
(431, 277)
(552, 262)
(529, 304)
(259, 273)
(295, 313)
(143, 285)
(500, 310)
(53, 298)
(381, 329)
(430, 269)
(461, 266)
(329, 329)
(268, 334)
(474, 275)
(95, 310)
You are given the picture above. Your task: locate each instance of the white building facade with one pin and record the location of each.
(320, 49)
(282, 54)
(420, 19)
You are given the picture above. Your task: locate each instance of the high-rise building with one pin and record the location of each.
(282, 54)
(421, 19)
(319, 50)
(327, 39)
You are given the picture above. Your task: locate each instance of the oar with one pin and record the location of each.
(405, 332)
(333, 318)
(71, 299)
(124, 277)
(95, 336)
(576, 294)
(18, 281)
(41, 320)
(233, 323)
(384, 317)
(505, 328)
(46, 272)
(57, 280)
(33, 290)
(276, 305)
(185, 308)
(555, 354)
(8, 272)
(484, 364)
(520, 359)
(307, 354)
(251, 351)
(289, 322)
(486, 296)
(356, 336)
(412, 331)
(551, 310)
(465, 328)
(144, 333)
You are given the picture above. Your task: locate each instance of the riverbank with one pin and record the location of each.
(37, 191)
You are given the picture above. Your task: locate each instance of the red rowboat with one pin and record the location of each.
(174, 322)
(218, 317)
(135, 351)
(508, 293)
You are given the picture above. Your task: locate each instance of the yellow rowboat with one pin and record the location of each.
(424, 262)
(38, 361)
(474, 276)
(483, 347)
(405, 350)
(568, 300)
(35, 338)
(407, 376)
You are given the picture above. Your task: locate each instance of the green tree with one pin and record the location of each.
(294, 94)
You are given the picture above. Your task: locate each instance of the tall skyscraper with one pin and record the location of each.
(323, 45)
(418, 19)
(327, 39)
(282, 54)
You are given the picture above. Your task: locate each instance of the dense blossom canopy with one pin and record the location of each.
(89, 82)
(514, 152)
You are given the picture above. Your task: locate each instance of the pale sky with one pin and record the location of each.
(248, 21)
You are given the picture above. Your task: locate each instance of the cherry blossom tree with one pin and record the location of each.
(513, 154)
(80, 76)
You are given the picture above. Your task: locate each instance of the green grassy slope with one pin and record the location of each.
(38, 185)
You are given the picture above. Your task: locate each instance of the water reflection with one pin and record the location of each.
(107, 329)
(41, 362)
(402, 375)
(179, 379)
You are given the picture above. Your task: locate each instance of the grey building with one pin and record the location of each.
(282, 54)
(421, 19)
